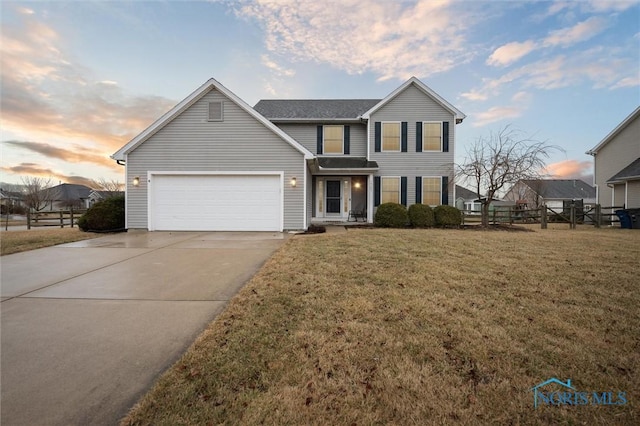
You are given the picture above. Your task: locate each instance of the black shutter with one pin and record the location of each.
(347, 140)
(376, 190)
(445, 136)
(319, 142)
(418, 136)
(418, 189)
(445, 190)
(378, 136)
(403, 190)
(403, 137)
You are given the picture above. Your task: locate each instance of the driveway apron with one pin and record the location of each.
(87, 327)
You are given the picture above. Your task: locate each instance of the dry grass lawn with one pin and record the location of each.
(418, 327)
(17, 241)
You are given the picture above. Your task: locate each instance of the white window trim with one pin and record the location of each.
(423, 136)
(399, 187)
(399, 123)
(422, 189)
(324, 151)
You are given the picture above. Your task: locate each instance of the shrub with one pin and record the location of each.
(420, 216)
(391, 215)
(447, 216)
(105, 215)
(316, 229)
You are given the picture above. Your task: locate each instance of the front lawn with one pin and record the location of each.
(17, 241)
(418, 327)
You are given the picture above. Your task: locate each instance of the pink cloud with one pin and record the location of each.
(569, 169)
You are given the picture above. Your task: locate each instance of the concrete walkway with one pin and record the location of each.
(87, 327)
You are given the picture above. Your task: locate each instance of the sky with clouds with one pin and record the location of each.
(80, 79)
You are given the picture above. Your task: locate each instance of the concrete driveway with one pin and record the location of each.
(87, 327)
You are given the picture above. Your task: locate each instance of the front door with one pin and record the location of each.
(333, 197)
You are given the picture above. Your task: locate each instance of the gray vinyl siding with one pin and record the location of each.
(412, 105)
(238, 143)
(310, 198)
(615, 156)
(633, 194)
(306, 135)
(618, 200)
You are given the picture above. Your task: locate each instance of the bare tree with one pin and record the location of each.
(110, 187)
(500, 160)
(38, 192)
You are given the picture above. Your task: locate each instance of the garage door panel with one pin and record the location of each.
(216, 203)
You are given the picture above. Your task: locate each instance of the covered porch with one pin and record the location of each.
(341, 190)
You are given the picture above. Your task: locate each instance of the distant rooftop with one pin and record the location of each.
(305, 109)
(561, 188)
(467, 194)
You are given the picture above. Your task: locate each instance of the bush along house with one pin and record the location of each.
(214, 163)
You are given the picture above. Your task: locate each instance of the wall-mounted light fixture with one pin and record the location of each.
(357, 185)
(136, 181)
(294, 182)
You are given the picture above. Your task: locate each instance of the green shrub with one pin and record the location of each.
(447, 216)
(105, 215)
(420, 216)
(391, 215)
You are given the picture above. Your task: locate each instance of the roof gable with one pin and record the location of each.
(192, 99)
(314, 109)
(619, 128)
(459, 115)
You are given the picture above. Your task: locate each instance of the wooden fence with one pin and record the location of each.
(573, 215)
(59, 218)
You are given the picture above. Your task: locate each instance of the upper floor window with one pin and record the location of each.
(391, 137)
(390, 190)
(432, 136)
(333, 142)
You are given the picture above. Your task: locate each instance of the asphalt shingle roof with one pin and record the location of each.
(346, 163)
(300, 109)
(564, 189)
(632, 170)
(467, 194)
(69, 191)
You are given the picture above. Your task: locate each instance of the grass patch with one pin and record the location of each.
(417, 327)
(17, 241)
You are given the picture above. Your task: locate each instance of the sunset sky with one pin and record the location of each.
(80, 79)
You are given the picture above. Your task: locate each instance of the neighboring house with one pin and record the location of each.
(11, 201)
(551, 192)
(95, 196)
(467, 200)
(617, 165)
(215, 163)
(67, 195)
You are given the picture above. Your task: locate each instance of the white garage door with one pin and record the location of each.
(215, 203)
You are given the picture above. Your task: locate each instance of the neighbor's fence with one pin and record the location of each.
(58, 218)
(572, 214)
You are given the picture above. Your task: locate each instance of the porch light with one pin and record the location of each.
(357, 185)
(136, 181)
(293, 182)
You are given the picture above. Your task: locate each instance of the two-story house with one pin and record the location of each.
(617, 165)
(215, 163)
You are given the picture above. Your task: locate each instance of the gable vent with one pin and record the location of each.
(215, 111)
